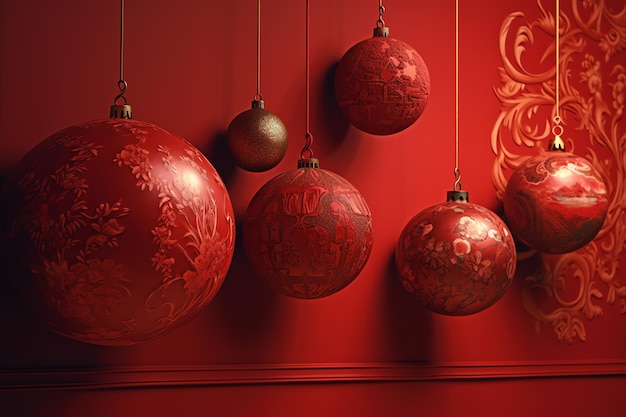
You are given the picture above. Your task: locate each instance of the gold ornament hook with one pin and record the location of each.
(381, 30)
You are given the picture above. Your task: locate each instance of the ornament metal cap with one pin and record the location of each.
(557, 144)
(121, 111)
(258, 104)
(308, 163)
(381, 31)
(458, 195)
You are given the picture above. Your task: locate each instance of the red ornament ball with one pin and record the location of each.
(308, 233)
(257, 139)
(457, 257)
(382, 85)
(128, 230)
(555, 202)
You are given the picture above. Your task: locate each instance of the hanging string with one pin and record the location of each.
(557, 129)
(558, 57)
(121, 84)
(306, 151)
(457, 171)
(258, 96)
(381, 9)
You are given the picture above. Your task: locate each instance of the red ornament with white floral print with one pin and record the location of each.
(457, 257)
(127, 230)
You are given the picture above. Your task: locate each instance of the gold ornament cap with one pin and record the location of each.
(381, 32)
(557, 144)
(308, 163)
(257, 102)
(121, 111)
(458, 195)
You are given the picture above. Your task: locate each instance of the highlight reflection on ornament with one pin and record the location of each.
(308, 232)
(555, 202)
(257, 138)
(382, 84)
(457, 257)
(127, 229)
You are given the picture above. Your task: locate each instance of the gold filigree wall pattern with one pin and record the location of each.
(565, 290)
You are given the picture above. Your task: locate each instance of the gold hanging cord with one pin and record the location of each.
(122, 110)
(258, 96)
(457, 171)
(307, 152)
(121, 84)
(381, 9)
(557, 129)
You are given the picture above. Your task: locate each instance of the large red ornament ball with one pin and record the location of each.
(382, 85)
(555, 202)
(128, 230)
(457, 257)
(257, 139)
(307, 233)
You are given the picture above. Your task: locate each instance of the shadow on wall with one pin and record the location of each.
(246, 307)
(220, 157)
(408, 322)
(333, 126)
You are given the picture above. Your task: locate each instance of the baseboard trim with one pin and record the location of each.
(172, 377)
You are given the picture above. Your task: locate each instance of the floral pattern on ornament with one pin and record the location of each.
(85, 286)
(592, 96)
(457, 265)
(88, 263)
(206, 258)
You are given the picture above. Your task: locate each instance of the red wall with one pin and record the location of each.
(190, 66)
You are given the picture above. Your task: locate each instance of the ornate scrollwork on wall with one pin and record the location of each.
(566, 290)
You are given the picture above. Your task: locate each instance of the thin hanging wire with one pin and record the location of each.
(457, 171)
(258, 96)
(381, 9)
(307, 152)
(121, 84)
(557, 129)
